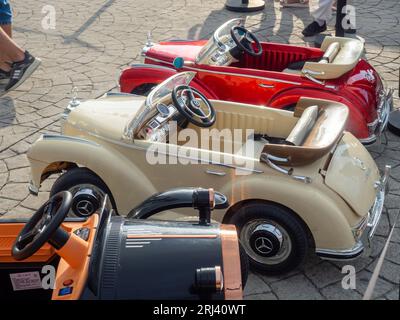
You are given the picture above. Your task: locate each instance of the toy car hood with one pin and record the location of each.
(106, 116)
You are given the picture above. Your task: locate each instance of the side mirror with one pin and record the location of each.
(178, 62)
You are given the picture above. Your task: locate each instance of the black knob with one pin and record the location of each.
(209, 280)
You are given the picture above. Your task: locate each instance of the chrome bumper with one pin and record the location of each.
(377, 127)
(367, 230)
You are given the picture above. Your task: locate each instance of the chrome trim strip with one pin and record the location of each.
(385, 110)
(117, 94)
(228, 73)
(378, 126)
(373, 124)
(68, 138)
(345, 254)
(216, 173)
(377, 209)
(376, 214)
(369, 140)
(151, 66)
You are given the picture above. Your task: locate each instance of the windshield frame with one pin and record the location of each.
(215, 42)
(148, 109)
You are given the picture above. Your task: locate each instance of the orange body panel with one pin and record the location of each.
(8, 234)
(75, 258)
(231, 263)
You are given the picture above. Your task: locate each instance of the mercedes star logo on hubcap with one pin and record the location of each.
(263, 245)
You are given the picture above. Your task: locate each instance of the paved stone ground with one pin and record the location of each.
(93, 40)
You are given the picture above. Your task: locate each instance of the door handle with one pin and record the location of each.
(267, 86)
(216, 173)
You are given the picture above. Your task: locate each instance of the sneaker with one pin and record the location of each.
(22, 70)
(313, 28)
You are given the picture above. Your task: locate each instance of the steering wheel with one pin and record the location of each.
(42, 226)
(247, 42)
(200, 113)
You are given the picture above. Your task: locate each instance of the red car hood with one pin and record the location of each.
(168, 51)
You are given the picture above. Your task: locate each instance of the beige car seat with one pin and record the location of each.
(340, 56)
(316, 132)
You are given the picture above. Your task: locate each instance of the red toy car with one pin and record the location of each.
(235, 66)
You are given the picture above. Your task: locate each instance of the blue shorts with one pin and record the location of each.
(5, 12)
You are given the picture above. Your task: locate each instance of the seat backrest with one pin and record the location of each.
(343, 54)
(328, 127)
(304, 126)
(325, 132)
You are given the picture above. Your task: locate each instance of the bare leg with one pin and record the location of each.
(5, 66)
(7, 29)
(9, 51)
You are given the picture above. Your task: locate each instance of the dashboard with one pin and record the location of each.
(157, 128)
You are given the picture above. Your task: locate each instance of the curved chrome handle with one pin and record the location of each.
(268, 159)
(267, 86)
(309, 75)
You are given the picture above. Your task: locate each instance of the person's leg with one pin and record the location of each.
(16, 63)
(10, 52)
(321, 14)
(7, 29)
(6, 17)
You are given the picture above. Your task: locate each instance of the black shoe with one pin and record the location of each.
(313, 28)
(350, 31)
(21, 71)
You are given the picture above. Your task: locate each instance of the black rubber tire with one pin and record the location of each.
(144, 89)
(77, 176)
(289, 221)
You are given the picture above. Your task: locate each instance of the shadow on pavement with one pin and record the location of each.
(7, 111)
(259, 22)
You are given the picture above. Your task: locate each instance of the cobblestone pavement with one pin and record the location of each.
(95, 39)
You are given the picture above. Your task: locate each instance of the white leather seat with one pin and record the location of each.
(340, 56)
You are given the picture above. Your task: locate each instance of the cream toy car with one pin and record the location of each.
(295, 180)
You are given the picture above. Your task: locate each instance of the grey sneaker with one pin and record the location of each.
(22, 70)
